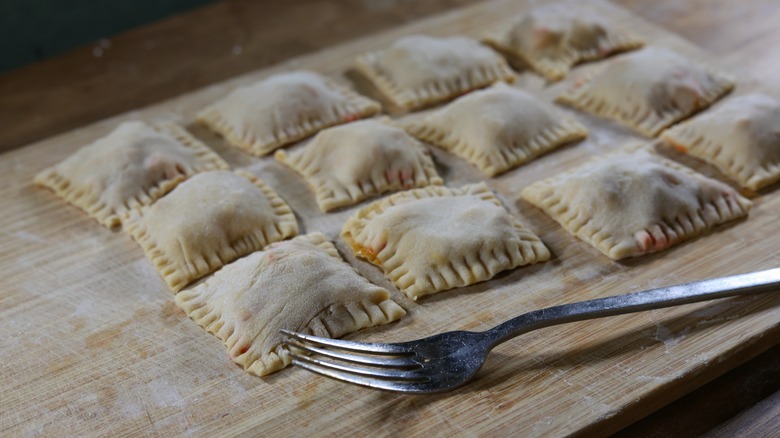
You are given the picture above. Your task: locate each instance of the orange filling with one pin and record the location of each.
(748, 193)
(647, 242)
(238, 353)
(678, 147)
(578, 82)
(367, 253)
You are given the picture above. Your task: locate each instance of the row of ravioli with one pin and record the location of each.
(625, 204)
(495, 129)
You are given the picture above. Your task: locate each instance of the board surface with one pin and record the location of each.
(92, 342)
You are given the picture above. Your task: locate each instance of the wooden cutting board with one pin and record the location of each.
(92, 343)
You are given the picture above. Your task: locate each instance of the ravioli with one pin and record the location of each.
(628, 204)
(497, 129)
(209, 221)
(741, 137)
(283, 109)
(301, 285)
(347, 164)
(419, 70)
(552, 38)
(129, 168)
(647, 90)
(437, 238)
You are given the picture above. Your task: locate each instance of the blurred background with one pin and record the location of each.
(33, 30)
(67, 63)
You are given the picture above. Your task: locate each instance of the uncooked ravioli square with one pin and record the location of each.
(209, 221)
(129, 168)
(346, 164)
(741, 137)
(497, 129)
(283, 109)
(436, 238)
(647, 90)
(301, 285)
(553, 37)
(420, 70)
(628, 204)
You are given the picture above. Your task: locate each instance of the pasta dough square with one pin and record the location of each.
(283, 109)
(347, 164)
(436, 238)
(129, 168)
(301, 285)
(741, 137)
(497, 129)
(647, 90)
(552, 38)
(420, 70)
(208, 221)
(631, 204)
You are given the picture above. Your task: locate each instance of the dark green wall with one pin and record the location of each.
(31, 30)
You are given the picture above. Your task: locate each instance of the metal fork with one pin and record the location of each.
(448, 360)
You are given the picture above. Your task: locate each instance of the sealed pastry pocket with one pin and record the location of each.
(497, 129)
(741, 137)
(420, 70)
(552, 38)
(283, 109)
(301, 285)
(129, 168)
(437, 238)
(346, 164)
(209, 221)
(628, 204)
(647, 90)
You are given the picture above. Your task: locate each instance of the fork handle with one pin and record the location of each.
(704, 290)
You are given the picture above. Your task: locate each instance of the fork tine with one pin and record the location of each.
(374, 360)
(385, 385)
(378, 373)
(359, 347)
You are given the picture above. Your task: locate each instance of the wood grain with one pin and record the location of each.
(95, 345)
(755, 422)
(741, 403)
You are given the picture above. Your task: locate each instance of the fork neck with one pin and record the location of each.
(754, 282)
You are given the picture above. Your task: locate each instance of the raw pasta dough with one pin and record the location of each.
(209, 221)
(628, 204)
(301, 285)
(129, 168)
(437, 238)
(497, 129)
(347, 164)
(283, 109)
(647, 90)
(741, 137)
(420, 70)
(552, 38)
